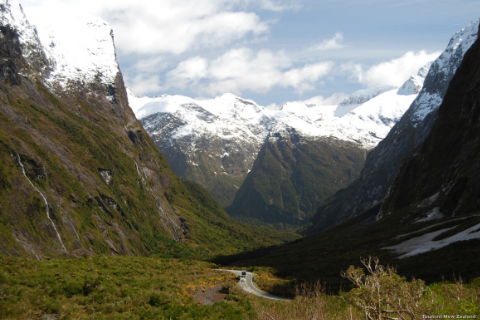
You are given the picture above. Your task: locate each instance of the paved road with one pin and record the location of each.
(250, 287)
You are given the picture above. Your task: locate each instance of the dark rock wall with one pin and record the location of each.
(383, 162)
(444, 172)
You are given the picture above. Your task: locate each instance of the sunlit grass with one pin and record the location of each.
(104, 287)
(113, 288)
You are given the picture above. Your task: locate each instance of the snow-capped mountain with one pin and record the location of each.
(213, 142)
(66, 50)
(216, 141)
(383, 162)
(414, 84)
(68, 141)
(81, 49)
(362, 96)
(364, 117)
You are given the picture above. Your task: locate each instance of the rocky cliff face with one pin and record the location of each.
(383, 162)
(440, 178)
(78, 173)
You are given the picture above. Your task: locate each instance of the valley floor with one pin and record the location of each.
(104, 287)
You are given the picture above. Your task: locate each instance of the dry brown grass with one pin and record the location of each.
(310, 303)
(379, 293)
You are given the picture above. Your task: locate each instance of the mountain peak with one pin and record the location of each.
(362, 96)
(13, 17)
(442, 71)
(79, 47)
(414, 84)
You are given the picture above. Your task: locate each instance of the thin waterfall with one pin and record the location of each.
(73, 227)
(136, 166)
(27, 249)
(44, 200)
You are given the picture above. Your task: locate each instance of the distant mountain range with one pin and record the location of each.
(231, 146)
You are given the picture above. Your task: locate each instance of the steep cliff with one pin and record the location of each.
(440, 178)
(383, 162)
(78, 173)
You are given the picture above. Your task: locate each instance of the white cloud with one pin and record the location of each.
(329, 44)
(303, 79)
(167, 26)
(150, 65)
(276, 5)
(274, 107)
(187, 72)
(334, 99)
(394, 72)
(242, 69)
(144, 83)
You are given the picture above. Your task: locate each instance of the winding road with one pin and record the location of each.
(250, 287)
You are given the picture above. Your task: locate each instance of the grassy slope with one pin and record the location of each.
(252, 236)
(114, 288)
(62, 142)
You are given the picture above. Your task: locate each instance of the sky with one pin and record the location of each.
(270, 51)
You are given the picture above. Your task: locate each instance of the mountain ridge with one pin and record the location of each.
(383, 161)
(216, 141)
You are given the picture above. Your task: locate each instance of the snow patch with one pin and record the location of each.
(82, 48)
(12, 15)
(362, 96)
(432, 215)
(425, 242)
(443, 68)
(429, 200)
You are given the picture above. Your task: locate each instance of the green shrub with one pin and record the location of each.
(71, 289)
(99, 298)
(476, 282)
(90, 285)
(51, 306)
(155, 300)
